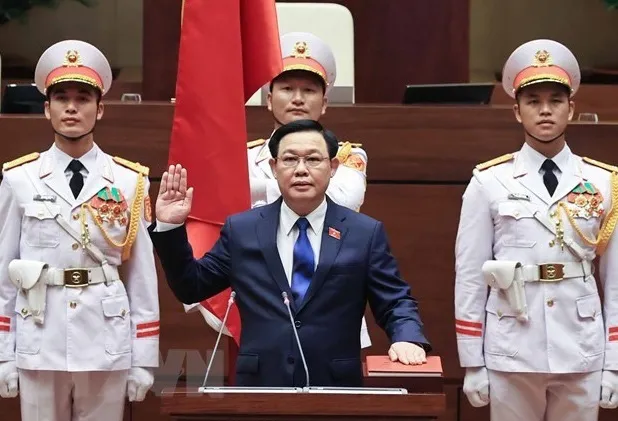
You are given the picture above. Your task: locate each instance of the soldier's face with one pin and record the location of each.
(303, 168)
(544, 110)
(296, 95)
(73, 109)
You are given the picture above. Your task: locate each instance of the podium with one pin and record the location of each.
(190, 404)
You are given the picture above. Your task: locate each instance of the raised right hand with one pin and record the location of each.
(174, 199)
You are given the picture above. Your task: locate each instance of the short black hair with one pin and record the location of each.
(299, 73)
(332, 145)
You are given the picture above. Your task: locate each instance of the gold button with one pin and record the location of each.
(76, 216)
(499, 313)
(24, 311)
(72, 304)
(550, 303)
(123, 313)
(75, 246)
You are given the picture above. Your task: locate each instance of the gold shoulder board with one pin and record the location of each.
(20, 161)
(135, 166)
(596, 163)
(499, 160)
(354, 145)
(254, 143)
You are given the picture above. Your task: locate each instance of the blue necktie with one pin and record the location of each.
(303, 268)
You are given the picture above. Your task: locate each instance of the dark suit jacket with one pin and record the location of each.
(353, 269)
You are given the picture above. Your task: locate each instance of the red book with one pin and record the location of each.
(382, 366)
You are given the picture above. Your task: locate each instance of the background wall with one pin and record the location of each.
(115, 26)
(496, 28)
(587, 27)
(397, 42)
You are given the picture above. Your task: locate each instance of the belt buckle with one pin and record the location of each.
(551, 272)
(75, 278)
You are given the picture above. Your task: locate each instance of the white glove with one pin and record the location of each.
(8, 379)
(139, 381)
(476, 386)
(609, 390)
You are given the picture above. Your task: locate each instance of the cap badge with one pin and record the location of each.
(72, 59)
(542, 58)
(301, 50)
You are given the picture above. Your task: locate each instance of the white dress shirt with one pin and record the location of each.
(88, 160)
(561, 159)
(287, 234)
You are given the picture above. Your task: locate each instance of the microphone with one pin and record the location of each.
(286, 301)
(230, 301)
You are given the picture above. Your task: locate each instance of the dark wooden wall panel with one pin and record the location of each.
(419, 220)
(396, 42)
(160, 39)
(421, 144)
(9, 408)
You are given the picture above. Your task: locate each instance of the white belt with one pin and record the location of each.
(554, 272)
(78, 277)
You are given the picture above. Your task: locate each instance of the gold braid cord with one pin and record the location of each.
(136, 212)
(608, 225)
(344, 151)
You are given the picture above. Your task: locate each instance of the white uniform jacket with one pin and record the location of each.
(104, 326)
(569, 329)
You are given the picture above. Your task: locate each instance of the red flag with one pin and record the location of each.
(228, 50)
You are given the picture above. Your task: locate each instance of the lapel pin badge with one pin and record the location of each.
(334, 233)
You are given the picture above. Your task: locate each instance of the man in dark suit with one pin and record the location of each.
(329, 260)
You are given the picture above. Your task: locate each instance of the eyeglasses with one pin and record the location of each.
(309, 161)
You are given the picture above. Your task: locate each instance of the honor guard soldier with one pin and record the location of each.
(300, 92)
(541, 345)
(76, 335)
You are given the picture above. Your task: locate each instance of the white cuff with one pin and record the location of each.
(166, 226)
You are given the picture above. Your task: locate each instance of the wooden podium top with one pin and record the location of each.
(190, 404)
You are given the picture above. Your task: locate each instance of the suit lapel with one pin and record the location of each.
(331, 244)
(98, 178)
(53, 176)
(267, 237)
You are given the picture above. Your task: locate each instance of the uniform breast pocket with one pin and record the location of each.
(40, 229)
(516, 224)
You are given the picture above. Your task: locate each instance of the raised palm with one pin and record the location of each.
(174, 199)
